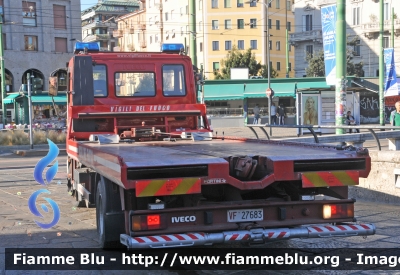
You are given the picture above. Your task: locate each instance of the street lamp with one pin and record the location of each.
(268, 59)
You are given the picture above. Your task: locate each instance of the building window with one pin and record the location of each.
(270, 4)
(357, 48)
(187, 9)
(288, 5)
(278, 4)
(60, 17)
(29, 13)
(30, 43)
(166, 16)
(386, 42)
(200, 26)
(309, 50)
(181, 11)
(278, 45)
(278, 24)
(278, 66)
(289, 26)
(1, 8)
(215, 45)
(307, 23)
(270, 44)
(181, 31)
(240, 44)
(356, 16)
(151, 39)
(253, 3)
(386, 11)
(239, 3)
(201, 46)
(253, 44)
(172, 15)
(240, 23)
(228, 45)
(227, 3)
(61, 45)
(290, 67)
(214, 4)
(215, 24)
(290, 48)
(253, 23)
(4, 42)
(200, 4)
(228, 24)
(269, 23)
(215, 66)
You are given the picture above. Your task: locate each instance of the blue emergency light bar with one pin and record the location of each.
(91, 47)
(172, 47)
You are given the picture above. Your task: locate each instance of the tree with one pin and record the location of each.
(237, 59)
(264, 72)
(316, 62)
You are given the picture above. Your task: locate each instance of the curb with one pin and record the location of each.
(37, 153)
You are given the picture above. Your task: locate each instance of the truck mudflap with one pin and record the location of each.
(249, 236)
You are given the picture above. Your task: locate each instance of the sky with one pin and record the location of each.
(87, 4)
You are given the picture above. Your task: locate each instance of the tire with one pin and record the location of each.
(110, 218)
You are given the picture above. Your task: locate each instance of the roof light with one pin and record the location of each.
(172, 47)
(91, 47)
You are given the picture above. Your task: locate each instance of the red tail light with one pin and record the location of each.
(149, 222)
(334, 211)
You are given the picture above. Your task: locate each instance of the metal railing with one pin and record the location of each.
(338, 138)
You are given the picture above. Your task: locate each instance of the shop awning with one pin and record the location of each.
(280, 90)
(11, 98)
(45, 99)
(313, 86)
(223, 92)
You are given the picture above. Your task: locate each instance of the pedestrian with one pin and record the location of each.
(395, 115)
(350, 120)
(282, 114)
(256, 111)
(273, 114)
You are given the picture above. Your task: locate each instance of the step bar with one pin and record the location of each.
(250, 236)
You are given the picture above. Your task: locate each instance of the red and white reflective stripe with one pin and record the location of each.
(278, 234)
(169, 238)
(338, 228)
(237, 237)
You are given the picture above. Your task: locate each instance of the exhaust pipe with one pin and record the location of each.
(250, 236)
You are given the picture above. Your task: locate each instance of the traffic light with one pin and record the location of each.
(37, 85)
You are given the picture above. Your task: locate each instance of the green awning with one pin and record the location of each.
(45, 99)
(223, 92)
(280, 90)
(318, 85)
(11, 98)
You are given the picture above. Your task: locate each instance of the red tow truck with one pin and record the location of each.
(141, 150)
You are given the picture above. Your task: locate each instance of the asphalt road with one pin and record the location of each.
(76, 228)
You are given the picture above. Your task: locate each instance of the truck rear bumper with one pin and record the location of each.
(249, 236)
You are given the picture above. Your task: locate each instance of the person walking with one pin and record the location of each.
(395, 115)
(256, 111)
(273, 114)
(282, 114)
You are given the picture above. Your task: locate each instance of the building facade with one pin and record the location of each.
(98, 22)
(362, 26)
(38, 39)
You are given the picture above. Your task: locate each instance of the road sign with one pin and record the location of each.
(269, 92)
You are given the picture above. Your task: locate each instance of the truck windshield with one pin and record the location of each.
(135, 84)
(173, 80)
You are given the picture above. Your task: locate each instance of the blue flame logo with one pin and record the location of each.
(50, 174)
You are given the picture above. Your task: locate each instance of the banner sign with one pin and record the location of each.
(328, 17)
(391, 87)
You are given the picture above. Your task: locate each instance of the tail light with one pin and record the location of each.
(334, 211)
(149, 222)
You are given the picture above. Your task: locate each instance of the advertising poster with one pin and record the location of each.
(310, 109)
(328, 17)
(391, 87)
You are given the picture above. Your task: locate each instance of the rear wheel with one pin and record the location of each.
(109, 215)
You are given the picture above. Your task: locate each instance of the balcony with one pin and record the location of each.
(99, 24)
(143, 44)
(371, 28)
(314, 35)
(130, 30)
(97, 37)
(118, 33)
(142, 26)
